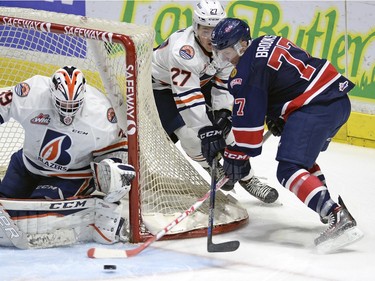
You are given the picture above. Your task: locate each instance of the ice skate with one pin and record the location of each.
(323, 220)
(342, 231)
(260, 190)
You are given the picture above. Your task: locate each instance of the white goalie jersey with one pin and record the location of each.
(51, 148)
(181, 65)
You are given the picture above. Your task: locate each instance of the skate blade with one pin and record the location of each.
(347, 238)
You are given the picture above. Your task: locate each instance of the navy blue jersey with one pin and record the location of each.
(274, 77)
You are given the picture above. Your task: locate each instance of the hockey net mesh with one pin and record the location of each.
(167, 183)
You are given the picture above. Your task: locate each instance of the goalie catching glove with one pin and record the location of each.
(112, 178)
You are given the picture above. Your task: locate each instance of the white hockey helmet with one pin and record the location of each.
(207, 13)
(68, 87)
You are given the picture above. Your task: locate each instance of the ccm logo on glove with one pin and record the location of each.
(235, 155)
(210, 134)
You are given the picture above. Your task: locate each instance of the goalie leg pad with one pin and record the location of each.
(112, 178)
(108, 221)
(50, 223)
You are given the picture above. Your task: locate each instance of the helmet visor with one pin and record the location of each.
(227, 54)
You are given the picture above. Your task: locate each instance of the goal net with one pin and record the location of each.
(115, 57)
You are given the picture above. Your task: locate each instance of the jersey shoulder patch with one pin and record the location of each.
(187, 52)
(111, 115)
(22, 89)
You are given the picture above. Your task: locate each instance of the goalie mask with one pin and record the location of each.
(68, 87)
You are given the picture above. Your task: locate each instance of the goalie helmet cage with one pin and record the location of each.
(116, 59)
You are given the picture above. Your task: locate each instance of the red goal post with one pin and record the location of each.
(115, 58)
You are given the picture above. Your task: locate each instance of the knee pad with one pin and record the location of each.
(107, 222)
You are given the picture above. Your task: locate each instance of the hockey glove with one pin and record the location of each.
(212, 142)
(236, 165)
(275, 126)
(223, 120)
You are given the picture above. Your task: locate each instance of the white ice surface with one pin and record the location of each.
(277, 244)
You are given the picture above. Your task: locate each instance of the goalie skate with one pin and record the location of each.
(342, 231)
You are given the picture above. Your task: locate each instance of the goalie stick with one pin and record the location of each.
(104, 253)
(11, 230)
(229, 246)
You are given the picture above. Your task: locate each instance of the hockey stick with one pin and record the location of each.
(103, 253)
(266, 136)
(229, 246)
(11, 230)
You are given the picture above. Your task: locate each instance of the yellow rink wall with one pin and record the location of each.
(359, 130)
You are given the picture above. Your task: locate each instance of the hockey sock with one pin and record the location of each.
(315, 171)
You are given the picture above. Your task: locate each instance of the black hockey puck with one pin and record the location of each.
(110, 267)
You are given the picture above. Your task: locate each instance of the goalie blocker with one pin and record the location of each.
(49, 223)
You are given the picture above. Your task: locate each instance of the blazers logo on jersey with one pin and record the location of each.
(41, 119)
(187, 52)
(22, 89)
(54, 150)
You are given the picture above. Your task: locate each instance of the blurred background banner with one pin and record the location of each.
(341, 31)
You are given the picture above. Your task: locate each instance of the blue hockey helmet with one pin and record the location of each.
(228, 32)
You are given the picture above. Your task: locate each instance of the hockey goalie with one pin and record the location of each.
(66, 184)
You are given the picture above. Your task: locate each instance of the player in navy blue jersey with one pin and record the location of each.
(303, 100)
(190, 90)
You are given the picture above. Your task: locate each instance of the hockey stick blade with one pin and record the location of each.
(104, 253)
(229, 246)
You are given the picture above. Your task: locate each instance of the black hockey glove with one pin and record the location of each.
(275, 126)
(212, 142)
(223, 120)
(236, 165)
